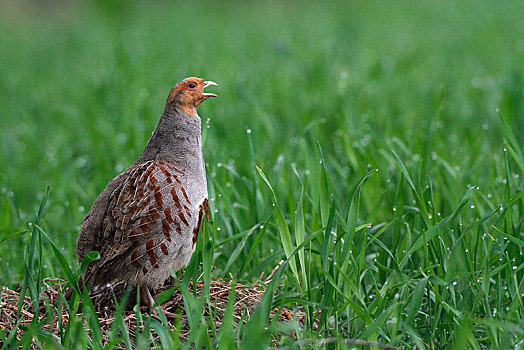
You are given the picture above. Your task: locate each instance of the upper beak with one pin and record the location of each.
(209, 83)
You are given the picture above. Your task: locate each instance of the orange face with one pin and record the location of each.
(189, 94)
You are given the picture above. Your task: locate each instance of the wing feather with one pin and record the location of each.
(141, 213)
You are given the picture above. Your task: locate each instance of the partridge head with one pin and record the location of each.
(146, 222)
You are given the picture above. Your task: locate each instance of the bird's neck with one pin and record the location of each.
(177, 139)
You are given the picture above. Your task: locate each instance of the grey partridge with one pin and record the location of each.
(146, 222)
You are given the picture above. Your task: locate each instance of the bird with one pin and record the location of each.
(145, 223)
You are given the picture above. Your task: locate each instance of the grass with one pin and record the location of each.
(375, 147)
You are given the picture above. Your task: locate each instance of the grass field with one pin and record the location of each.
(391, 134)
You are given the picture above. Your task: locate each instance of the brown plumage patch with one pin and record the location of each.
(153, 180)
(154, 215)
(134, 241)
(166, 230)
(185, 194)
(197, 228)
(175, 197)
(169, 217)
(153, 258)
(164, 249)
(183, 218)
(206, 208)
(188, 212)
(159, 197)
(134, 259)
(150, 244)
(178, 171)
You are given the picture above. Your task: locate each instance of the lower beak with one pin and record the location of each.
(209, 83)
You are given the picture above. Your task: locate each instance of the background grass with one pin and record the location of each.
(317, 95)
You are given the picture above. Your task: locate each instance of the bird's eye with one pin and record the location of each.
(191, 85)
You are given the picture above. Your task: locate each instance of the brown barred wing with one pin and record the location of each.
(146, 219)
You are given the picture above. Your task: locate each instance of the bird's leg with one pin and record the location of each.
(146, 298)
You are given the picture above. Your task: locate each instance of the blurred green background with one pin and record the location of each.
(82, 85)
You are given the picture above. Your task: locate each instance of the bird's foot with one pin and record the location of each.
(147, 299)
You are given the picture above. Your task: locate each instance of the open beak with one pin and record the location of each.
(209, 83)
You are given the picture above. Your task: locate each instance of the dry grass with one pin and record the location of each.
(247, 298)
